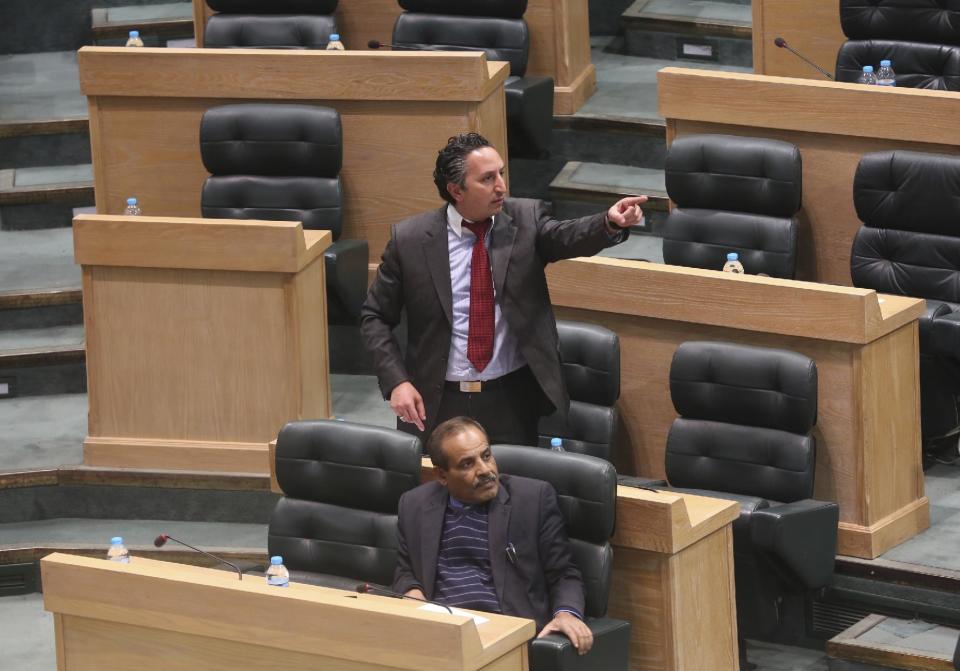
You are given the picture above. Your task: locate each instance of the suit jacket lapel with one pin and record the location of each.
(431, 529)
(501, 247)
(498, 537)
(437, 254)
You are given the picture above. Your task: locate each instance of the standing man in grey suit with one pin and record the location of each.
(482, 338)
(477, 539)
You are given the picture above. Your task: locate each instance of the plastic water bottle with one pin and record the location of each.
(132, 209)
(885, 75)
(335, 44)
(118, 551)
(556, 445)
(277, 574)
(134, 39)
(867, 77)
(733, 264)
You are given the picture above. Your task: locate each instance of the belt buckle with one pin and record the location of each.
(471, 386)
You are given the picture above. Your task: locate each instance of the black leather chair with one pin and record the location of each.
(496, 27)
(744, 434)
(282, 162)
(591, 370)
(337, 522)
(909, 244)
(733, 194)
(587, 493)
(273, 24)
(921, 39)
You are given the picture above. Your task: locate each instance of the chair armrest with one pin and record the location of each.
(346, 266)
(610, 651)
(640, 483)
(803, 535)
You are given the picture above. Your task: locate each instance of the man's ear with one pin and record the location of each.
(441, 476)
(455, 191)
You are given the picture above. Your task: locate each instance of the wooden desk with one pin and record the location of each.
(812, 27)
(154, 616)
(672, 577)
(833, 124)
(204, 337)
(559, 40)
(397, 110)
(865, 347)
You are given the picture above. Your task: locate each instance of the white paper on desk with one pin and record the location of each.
(432, 608)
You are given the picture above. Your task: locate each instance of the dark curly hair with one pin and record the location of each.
(452, 161)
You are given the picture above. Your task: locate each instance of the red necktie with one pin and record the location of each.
(480, 335)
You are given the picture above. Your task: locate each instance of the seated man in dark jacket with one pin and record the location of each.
(479, 540)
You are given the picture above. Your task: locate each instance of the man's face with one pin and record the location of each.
(483, 189)
(472, 475)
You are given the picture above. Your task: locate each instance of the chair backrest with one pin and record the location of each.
(909, 244)
(277, 24)
(934, 21)
(587, 494)
(733, 194)
(273, 161)
(590, 358)
(507, 9)
(745, 420)
(503, 39)
(918, 65)
(268, 31)
(342, 484)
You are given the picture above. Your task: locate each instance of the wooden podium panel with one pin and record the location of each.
(865, 347)
(559, 40)
(397, 110)
(154, 615)
(811, 27)
(833, 125)
(204, 337)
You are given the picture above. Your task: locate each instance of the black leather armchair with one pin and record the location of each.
(496, 27)
(591, 370)
(282, 162)
(277, 24)
(920, 39)
(337, 522)
(733, 194)
(744, 434)
(909, 244)
(587, 493)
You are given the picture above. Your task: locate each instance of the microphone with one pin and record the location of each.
(162, 539)
(367, 588)
(782, 44)
(376, 44)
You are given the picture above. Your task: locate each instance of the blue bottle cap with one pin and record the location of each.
(276, 560)
(334, 37)
(134, 33)
(116, 540)
(868, 68)
(884, 63)
(556, 442)
(732, 256)
(131, 201)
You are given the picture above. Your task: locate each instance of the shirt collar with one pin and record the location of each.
(455, 220)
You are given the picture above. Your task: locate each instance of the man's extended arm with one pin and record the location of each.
(558, 240)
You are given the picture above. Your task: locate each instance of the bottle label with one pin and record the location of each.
(278, 581)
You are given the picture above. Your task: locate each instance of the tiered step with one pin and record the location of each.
(157, 23)
(690, 30)
(878, 642)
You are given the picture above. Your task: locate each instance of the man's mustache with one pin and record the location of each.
(483, 481)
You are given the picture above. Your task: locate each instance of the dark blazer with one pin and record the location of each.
(414, 273)
(525, 513)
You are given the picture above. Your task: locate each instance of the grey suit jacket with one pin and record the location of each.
(414, 273)
(525, 513)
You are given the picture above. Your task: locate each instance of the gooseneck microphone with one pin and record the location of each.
(367, 588)
(782, 44)
(162, 539)
(377, 44)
